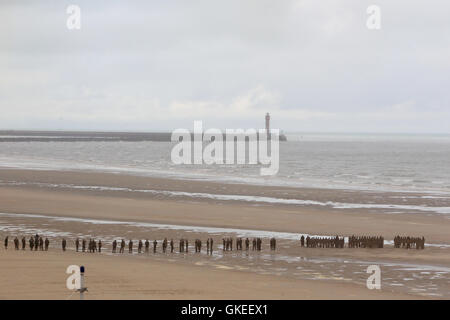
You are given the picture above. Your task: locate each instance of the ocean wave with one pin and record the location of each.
(246, 198)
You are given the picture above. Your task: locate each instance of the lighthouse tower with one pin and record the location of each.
(267, 123)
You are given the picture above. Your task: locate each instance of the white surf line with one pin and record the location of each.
(27, 164)
(31, 230)
(256, 199)
(211, 230)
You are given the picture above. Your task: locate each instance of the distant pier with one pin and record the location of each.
(75, 136)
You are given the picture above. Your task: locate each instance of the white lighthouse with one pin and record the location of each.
(267, 123)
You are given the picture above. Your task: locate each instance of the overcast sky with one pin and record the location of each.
(155, 65)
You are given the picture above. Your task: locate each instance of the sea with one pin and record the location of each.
(379, 162)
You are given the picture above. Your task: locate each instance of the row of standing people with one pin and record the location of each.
(35, 243)
(91, 246)
(409, 242)
(209, 245)
(322, 242)
(121, 246)
(339, 242)
(256, 244)
(144, 246)
(365, 242)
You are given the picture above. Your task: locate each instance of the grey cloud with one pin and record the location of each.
(132, 62)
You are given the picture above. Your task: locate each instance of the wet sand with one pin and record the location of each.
(41, 275)
(120, 205)
(319, 273)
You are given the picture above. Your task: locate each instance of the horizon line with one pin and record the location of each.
(170, 130)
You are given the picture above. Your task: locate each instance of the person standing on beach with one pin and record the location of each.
(147, 246)
(99, 246)
(36, 242)
(164, 245)
(155, 243)
(171, 245)
(31, 242)
(273, 244)
(47, 242)
(122, 246)
(114, 246)
(41, 244)
(64, 244)
(24, 242)
(16, 243)
(77, 244)
(130, 246)
(139, 246)
(247, 244)
(83, 245)
(6, 243)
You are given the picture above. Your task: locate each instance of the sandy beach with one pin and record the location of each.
(183, 150)
(51, 204)
(108, 277)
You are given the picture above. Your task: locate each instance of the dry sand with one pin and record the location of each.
(41, 275)
(195, 277)
(121, 205)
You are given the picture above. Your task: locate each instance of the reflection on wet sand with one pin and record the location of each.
(289, 260)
